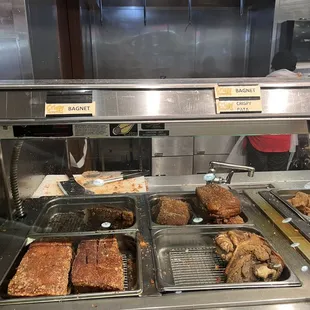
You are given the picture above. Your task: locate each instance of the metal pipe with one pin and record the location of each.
(5, 185)
(101, 14)
(144, 12)
(241, 7)
(19, 209)
(67, 154)
(247, 45)
(189, 14)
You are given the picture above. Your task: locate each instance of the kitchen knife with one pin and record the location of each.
(73, 188)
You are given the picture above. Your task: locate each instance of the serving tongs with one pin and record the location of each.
(124, 176)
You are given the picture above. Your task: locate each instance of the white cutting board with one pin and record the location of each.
(49, 185)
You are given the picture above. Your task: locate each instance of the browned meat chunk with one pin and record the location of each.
(119, 218)
(301, 201)
(172, 212)
(43, 271)
(219, 201)
(98, 266)
(232, 220)
(250, 257)
(304, 210)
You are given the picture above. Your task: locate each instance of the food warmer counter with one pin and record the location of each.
(165, 267)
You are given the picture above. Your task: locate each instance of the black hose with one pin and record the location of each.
(19, 210)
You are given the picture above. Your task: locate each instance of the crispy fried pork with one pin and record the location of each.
(43, 271)
(98, 266)
(119, 218)
(219, 202)
(172, 212)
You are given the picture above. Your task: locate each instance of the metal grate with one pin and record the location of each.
(65, 222)
(125, 270)
(196, 265)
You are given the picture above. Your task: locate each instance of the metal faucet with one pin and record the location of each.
(210, 177)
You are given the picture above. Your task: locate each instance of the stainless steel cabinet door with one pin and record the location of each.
(214, 144)
(172, 166)
(172, 146)
(201, 162)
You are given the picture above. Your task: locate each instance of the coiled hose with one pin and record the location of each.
(19, 209)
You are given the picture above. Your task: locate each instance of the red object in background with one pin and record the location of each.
(271, 143)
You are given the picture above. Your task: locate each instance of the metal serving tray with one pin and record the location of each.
(196, 210)
(69, 214)
(129, 247)
(186, 261)
(284, 195)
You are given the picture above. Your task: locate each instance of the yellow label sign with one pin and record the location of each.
(237, 91)
(122, 129)
(70, 108)
(239, 106)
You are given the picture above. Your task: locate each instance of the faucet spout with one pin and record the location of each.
(232, 167)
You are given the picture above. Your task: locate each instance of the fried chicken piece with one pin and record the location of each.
(300, 200)
(219, 201)
(304, 210)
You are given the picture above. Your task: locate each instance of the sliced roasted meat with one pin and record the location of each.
(250, 257)
(228, 241)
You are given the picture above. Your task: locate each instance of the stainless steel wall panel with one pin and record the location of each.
(3, 104)
(86, 19)
(176, 146)
(23, 104)
(7, 22)
(201, 162)
(220, 43)
(10, 60)
(22, 32)
(15, 61)
(260, 42)
(214, 144)
(213, 45)
(172, 166)
(42, 18)
(292, 10)
(14, 107)
(287, 10)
